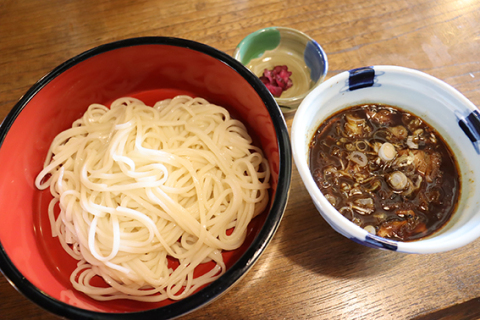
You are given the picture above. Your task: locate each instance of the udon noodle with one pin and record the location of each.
(139, 186)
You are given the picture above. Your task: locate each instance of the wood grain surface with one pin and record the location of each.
(308, 271)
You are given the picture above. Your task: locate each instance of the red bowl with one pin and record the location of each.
(152, 69)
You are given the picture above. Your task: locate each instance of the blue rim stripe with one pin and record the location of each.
(361, 78)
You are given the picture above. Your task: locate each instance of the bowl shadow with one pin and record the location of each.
(313, 244)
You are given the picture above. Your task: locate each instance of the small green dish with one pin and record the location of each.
(274, 46)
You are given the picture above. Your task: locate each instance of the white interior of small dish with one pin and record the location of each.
(274, 46)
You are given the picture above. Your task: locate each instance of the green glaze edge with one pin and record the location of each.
(255, 44)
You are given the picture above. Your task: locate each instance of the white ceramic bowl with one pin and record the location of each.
(455, 118)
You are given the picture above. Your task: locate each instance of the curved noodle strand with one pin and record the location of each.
(138, 187)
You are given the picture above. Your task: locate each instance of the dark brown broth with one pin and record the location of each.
(427, 200)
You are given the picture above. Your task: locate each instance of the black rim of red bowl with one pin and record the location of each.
(246, 261)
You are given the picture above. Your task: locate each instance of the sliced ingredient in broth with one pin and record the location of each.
(385, 170)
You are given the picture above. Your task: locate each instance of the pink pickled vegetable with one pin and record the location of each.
(277, 80)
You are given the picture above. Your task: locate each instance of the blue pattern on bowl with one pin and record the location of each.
(317, 66)
(372, 241)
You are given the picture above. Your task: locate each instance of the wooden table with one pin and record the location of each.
(308, 271)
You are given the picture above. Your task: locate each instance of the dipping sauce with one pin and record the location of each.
(386, 170)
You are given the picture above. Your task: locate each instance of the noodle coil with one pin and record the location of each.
(137, 186)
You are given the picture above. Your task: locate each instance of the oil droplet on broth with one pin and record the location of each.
(279, 57)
